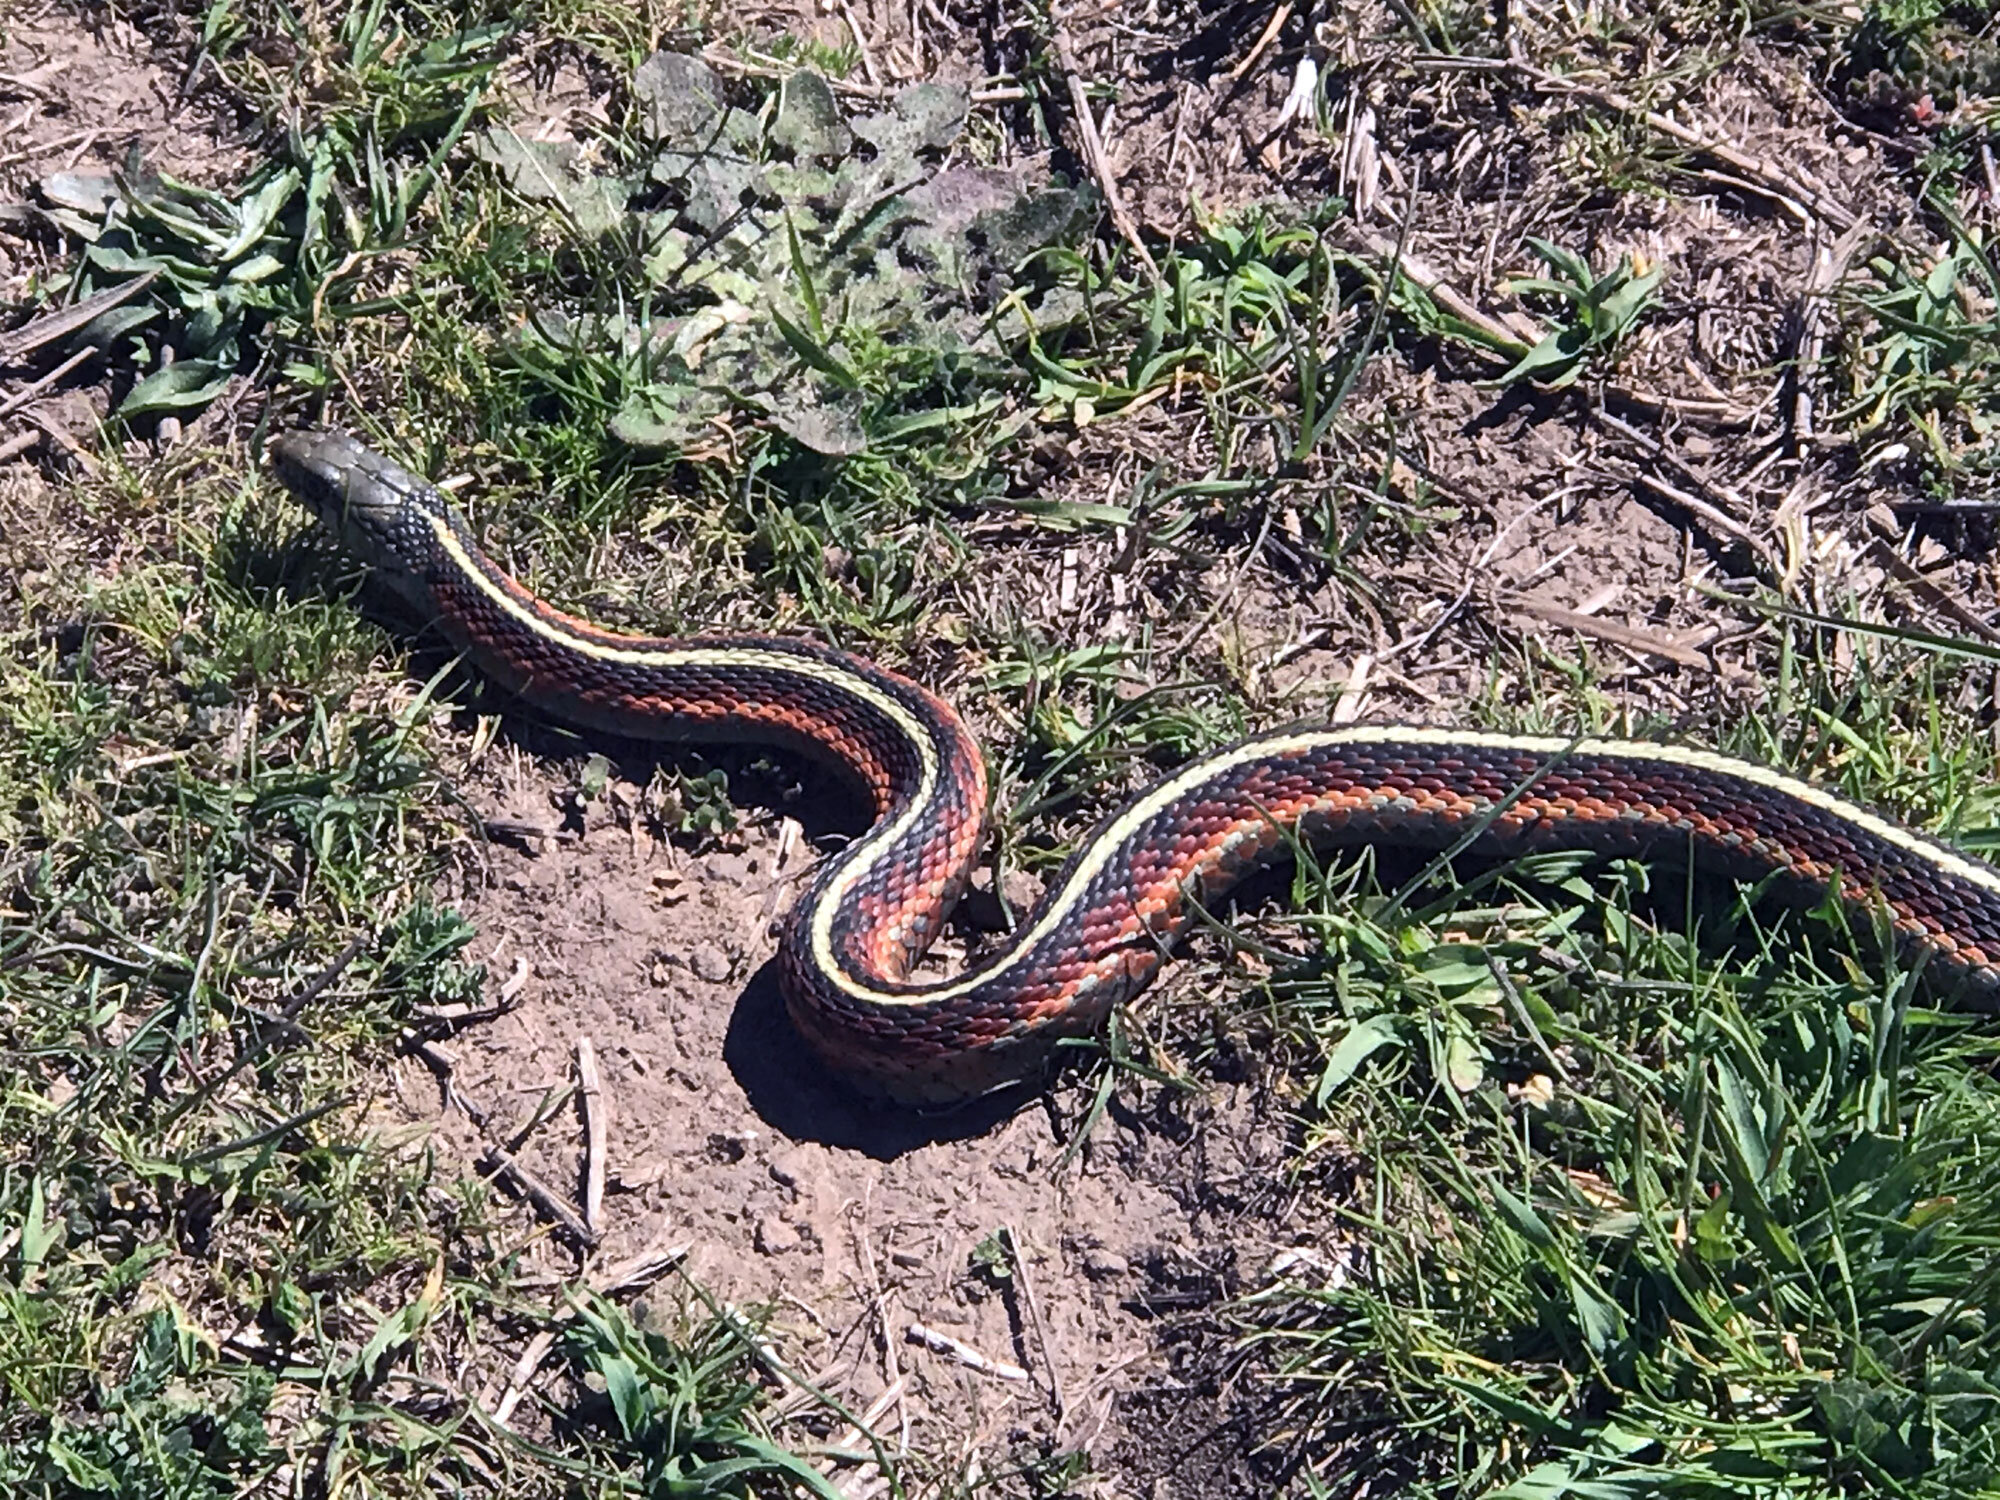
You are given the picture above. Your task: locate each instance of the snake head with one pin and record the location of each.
(381, 512)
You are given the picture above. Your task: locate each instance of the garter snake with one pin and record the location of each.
(1109, 918)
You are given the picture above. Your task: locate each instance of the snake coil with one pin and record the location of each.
(1109, 918)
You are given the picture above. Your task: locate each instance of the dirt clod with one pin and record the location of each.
(708, 962)
(1105, 1264)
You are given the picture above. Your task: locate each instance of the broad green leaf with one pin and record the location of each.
(824, 429)
(683, 99)
(627, 1395)
(1554, 361)
(548, 172)
(1464, 1059)
(1525, 1221)
(178, 387)
(664, 416)
(1363, 1040)
(1565, 263)
(114, 323)
(258, 213)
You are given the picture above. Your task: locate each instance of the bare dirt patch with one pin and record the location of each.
(852, 1221)
(80, 93)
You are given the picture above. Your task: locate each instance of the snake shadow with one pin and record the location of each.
(791, 1090)
(788, 1087)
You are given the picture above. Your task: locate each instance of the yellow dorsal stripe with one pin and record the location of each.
(870, 847)
(1090, 864)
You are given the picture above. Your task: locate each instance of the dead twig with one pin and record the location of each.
(497, 1161)
(28, 393)
(1717, 520)
(532, 1354)
(1882, 548)
(1094, 157)
(499, 1166)
(1721, 509)
(1646, 643)
(1809, 332)
(596, 1132)
(1271, 29)
(965, 1354)
(69, 320)
(1020, 1264)
(1511, 334)
(861, 43)
(1765, 178)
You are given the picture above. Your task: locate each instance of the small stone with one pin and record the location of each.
(773, 1236)
(1102, 1264)
(982, 908)
(784, 1171)
(710, 963)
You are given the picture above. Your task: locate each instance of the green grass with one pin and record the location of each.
(1662, 1190)
(1644, 1219)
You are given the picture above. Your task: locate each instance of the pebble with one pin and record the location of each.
(1104, 1264)
(710, 963)
(982, 908)
(773, 1236)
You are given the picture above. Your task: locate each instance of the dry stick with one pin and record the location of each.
(860, 44)
(1882, 546)
(62, 324)
(596, 1131)
(1795, 210)
(1765, 178)
(455, 1014)
(1093, 153)
(1717, 520)
(500, 1166)
(49, 148)
(1278, 18)
(864, 1426)
(1829, 269)
(28, 393)
(1711, 508)
(1612, 633)
(1513, 333)
(1041, 1329)
(1772, 180)
(892, 1368)
(497, 1161)
(965, 1354)
(524, 1370)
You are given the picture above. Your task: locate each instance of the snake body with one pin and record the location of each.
(1109, 918)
